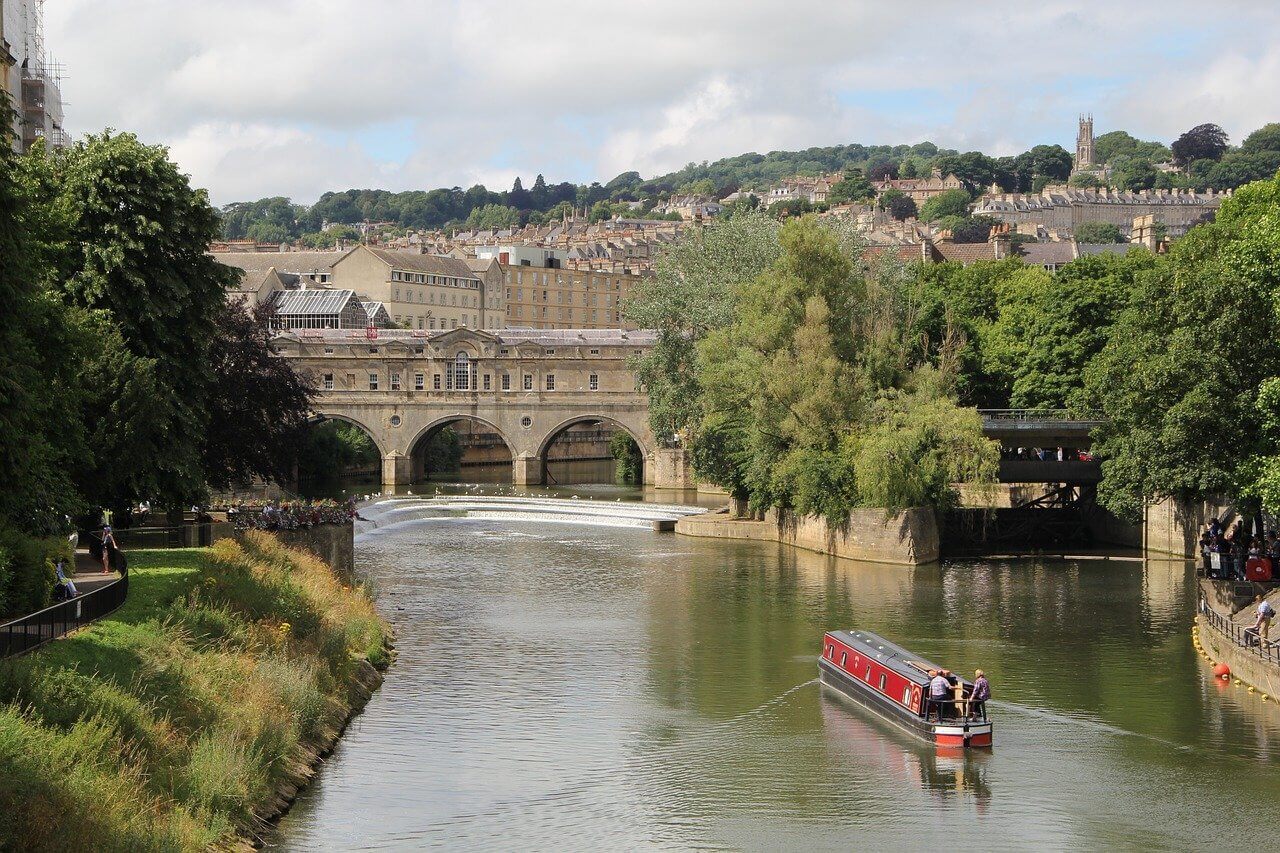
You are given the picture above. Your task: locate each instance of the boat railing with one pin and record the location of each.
(931, 705)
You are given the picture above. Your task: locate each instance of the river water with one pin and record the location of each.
(565, 685)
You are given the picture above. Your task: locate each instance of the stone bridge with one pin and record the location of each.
(527, 386)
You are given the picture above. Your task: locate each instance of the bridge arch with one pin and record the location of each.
(640, 435)
(480, 452)
(374, 435)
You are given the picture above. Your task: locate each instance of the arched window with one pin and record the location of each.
(461, 372)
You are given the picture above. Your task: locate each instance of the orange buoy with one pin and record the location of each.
(1221, 671)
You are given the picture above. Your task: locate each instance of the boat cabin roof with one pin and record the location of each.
(890, 655)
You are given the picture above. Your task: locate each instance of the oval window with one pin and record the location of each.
(526, 422)
(395, 420)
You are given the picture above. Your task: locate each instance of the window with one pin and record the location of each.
(528, 382)
(844, 657)
(504, 351)
(418, 350)
(435, 382)
(419, 381)
(396, 293)
(395, 276)
(595, 351)
(487, 382)
(551, 352)
(373, 382)
(373, 350)
(395, 381)
(506, 382)
(906, 696)
(593, 382)
(328, 382)
(328, 350)
(551, 382)
(461, 372)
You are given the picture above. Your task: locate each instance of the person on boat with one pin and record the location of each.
(938, 690)
(981, 693)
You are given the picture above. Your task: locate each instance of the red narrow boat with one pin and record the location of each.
(894, 683)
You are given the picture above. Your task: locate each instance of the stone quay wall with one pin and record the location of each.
(333, 543)
(908, 538)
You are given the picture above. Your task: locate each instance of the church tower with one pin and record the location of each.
(1084, 143)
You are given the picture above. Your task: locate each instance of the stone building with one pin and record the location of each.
(263, 273)
(29, 76)
(920, 190)
(1084, 144)
(319, 308)
(557, 298)
(1062, 209)
(418, 291)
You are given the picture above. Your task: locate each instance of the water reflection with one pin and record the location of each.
(561, 686)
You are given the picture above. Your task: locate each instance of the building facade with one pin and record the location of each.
(1062, 209)
(549, 298)
(419, 291)
(920, 190)
(32, 80)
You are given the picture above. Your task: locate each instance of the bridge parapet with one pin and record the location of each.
(1039, 427)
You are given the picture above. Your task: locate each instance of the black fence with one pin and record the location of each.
(1244, 637)
(38, 628)
(179, 536)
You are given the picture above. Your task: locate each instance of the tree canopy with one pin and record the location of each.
(1202, 142)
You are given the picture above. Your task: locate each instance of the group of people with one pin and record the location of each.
(292, 515)
(1046, 454)
(1235, 546)
(948, 699)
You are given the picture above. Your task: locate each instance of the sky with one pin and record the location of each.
(260, 98)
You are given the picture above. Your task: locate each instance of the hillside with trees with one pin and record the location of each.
(1201, 158)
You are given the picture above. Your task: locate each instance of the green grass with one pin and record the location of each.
(169, 723)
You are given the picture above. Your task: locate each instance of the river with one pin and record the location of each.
(569, 686)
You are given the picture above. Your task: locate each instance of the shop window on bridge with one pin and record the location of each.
(528, 382)
(435, 382)
(328, 382)
(506, 382)
(373, 382)
(551, 382)
(593, 382)
(462, 372)
(419, 381)
(487, 381)
(395, 382)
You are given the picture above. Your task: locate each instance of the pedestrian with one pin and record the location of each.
(108, 545)
(70, 586)
(1263, 624)
(981, 693)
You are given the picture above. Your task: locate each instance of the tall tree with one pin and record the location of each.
(134, 241)
(1202, 142)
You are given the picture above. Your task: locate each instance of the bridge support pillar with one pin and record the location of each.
(397, 469)
(526, 470)
(670, 468)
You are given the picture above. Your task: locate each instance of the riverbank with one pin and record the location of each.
(908, 538)
(192, 715)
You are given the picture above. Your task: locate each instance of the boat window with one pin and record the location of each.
(844, 657)
(881, 682)
(868, 673)
(906, 696)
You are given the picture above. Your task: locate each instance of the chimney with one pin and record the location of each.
(1001, 242)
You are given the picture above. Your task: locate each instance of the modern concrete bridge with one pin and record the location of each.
(1031, 428)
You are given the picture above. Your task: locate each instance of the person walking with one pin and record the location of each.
(108, 545)
(1263, 624)
(981, 693)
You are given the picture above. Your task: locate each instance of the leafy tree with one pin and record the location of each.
(790, 207)
(519, 197)
(705, 186)
(1180, 377)
(1239, 168)
(1118, 143)
(908, 169)
(1133, 174)
(852, 187)
(1202, 142)
(885, 170)
(133, 240)
(539, 195)
(1051, 161)
(491, 217)
(1098, 232)
(1265, 138)
(1084, 181)
(689, 295)
(899, 205)
(259, 404)
(975, 169)
(1049, 327)
(948, 203)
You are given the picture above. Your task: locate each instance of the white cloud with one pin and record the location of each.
(295, 97)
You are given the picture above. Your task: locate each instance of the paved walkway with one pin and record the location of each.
(89, 574)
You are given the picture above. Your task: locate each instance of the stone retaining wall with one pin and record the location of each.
(909, 538)
(333, 543)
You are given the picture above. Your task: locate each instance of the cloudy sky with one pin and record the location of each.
(286, 97)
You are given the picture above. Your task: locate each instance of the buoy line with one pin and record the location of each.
(1225, 673)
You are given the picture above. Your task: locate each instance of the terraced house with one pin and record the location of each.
(418, 291)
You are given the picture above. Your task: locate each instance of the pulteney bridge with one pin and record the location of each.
(528, 386)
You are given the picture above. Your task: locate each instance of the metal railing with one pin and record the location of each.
(147, 537)
(1038, 415)
(1245, 638)
(36, 629)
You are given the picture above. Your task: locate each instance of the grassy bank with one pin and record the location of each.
(190, 714)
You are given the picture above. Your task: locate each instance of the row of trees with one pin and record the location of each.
(806, 375)
(124, 372)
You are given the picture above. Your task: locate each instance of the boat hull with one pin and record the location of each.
(949, 733)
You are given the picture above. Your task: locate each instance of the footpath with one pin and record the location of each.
(1227, 609)
(89, 574)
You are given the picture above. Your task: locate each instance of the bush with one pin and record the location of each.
(26, 571)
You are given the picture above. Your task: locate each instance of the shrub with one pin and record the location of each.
(26, 571)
